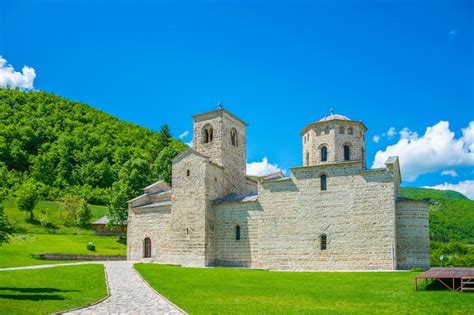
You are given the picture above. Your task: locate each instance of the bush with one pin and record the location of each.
(83, 215)
(91, 246)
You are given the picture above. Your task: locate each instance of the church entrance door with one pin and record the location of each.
(147, 248)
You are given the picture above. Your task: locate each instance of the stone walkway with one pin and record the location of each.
(129, 294)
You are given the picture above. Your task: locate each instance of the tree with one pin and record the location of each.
(164, 135)
(70, 204)
(83, 215)
(163, 163)
(28, 197)
(5, 228)
(133, 177)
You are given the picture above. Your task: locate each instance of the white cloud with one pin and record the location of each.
(391, 132)
(376, 138)
(262, 168)
(184, 134)
(437, 150)
(10, 78)
(465, 187)
(452, 173)
(452, 34)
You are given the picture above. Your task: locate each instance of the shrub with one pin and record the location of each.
(91, 246)
(83, 215)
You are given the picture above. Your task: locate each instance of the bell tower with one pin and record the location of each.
(221, 136)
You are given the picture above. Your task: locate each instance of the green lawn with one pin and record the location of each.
(45, 291)
(17, 251)
(46, 211)
(221, 290)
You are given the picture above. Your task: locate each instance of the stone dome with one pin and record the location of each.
(334, 117)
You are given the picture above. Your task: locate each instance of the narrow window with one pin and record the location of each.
(318, 132)
(341, 130)
(326, 131)
(307, 158)
(207, 134)
(347, 153)
(187, 231)
(350, 131)
(188, 172)
(233, 137)
(237, 232)
(323, 182)
(324, 154)
(147, 248)
(323, 242)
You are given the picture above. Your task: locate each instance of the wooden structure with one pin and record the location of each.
(101, 227)
(455, 279)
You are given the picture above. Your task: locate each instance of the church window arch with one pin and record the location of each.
(350, 130)
(207, 134)
(341, 130)
(323, 240)
(347, 152)
(233, 137)
(326, 130)
(237, 232)
(324, 153)
(323, 179)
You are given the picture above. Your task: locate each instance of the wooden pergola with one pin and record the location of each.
(455, 279)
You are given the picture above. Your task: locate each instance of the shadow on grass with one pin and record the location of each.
(32, 297)
(35, 290)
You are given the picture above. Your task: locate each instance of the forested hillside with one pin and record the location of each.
(66, 147)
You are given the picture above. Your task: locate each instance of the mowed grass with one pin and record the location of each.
(46, 211)
(18, 251)
(238, 291)
(50, 290)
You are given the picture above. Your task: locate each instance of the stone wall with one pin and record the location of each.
(229, 250)
(153, 223)
(413, 234)
(188, 210)
(282, 231)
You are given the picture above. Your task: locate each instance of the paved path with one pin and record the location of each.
(129, 294)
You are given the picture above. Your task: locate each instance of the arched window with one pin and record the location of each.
(207, 134)
(347, 153)
(318, 132)
(237, 232)
(307, 158)
(341, 130)
(350, 131)
(326, 130)
(324, 154)
(233, 137)
(188, 172)
(323, 182)
(323, 241)
(147, 248)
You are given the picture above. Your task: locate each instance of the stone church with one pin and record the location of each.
(332, 213)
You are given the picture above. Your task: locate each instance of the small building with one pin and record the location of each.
(101, 227)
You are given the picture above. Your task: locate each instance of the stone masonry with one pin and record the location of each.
(327, 215)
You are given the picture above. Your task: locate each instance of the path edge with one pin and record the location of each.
(96, 302)
(158, 293)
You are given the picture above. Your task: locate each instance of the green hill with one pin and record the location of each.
(451, 214)
(68, 147)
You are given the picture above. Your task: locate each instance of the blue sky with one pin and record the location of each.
(278, 65)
